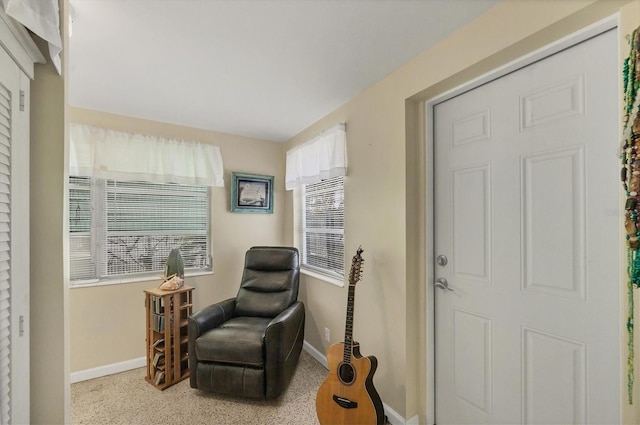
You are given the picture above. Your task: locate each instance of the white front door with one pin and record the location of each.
(526, 198)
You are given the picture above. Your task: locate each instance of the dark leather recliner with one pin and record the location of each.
(249, 345)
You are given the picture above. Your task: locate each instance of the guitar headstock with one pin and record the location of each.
(356, 267)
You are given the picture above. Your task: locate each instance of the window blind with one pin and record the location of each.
(81, 255)
(120, 228)
(321, 235)
(5, 250)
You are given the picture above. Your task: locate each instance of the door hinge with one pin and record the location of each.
(21, 326)
(22, 100)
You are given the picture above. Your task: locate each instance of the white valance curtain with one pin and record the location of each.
(117, 155)
(320, 158)
(41, 17)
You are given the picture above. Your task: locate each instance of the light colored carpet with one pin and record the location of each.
(126, 398)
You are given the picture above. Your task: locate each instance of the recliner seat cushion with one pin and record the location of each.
(238, 341)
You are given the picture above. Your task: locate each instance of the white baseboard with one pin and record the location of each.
(414, 421)
(393, 417)
(321, 358)
(97, 372)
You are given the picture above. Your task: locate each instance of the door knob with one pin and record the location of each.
(442, 260)
(442, 283)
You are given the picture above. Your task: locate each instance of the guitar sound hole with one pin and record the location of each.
(347, 373)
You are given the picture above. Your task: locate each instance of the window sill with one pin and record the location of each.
(320, 276)
(133, 279)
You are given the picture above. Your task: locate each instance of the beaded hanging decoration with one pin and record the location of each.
(630, 176)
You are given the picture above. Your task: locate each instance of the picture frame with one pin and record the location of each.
(251, 193)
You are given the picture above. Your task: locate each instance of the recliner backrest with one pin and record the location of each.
(269, 281)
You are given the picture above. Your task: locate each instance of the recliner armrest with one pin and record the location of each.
(211, 317)
(287, 319)
(283, 341)
(201, 321)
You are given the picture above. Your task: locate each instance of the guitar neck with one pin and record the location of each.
(348, 330)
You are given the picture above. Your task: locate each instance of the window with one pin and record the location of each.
(118, 229)
(322, 227)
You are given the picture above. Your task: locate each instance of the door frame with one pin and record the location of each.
(557, 46)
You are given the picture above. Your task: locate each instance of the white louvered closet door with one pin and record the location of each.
(14, 242)
(5, 253)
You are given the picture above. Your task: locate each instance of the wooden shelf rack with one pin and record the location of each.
(167, 339)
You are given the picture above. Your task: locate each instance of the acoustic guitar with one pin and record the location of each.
(348, 396)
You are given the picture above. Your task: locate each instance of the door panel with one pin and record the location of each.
(525, 183)
(553, 239)
(471, 233)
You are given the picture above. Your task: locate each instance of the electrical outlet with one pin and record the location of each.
(327, 334)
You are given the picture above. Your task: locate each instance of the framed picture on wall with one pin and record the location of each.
(251, 193)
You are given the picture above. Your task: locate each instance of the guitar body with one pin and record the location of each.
(348, 396)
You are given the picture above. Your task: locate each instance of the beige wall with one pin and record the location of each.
(49, 381)
(107, 322)
(385, 187)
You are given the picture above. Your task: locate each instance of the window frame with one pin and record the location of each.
(326, 274)
(99, 235)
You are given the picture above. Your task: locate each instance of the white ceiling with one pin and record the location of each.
(258, 68)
